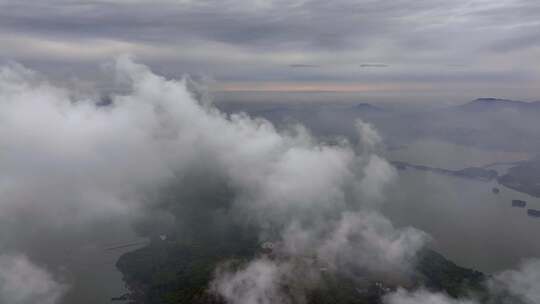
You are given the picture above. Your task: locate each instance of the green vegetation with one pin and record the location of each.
(438, 273)
(171, 272)
(177, 269)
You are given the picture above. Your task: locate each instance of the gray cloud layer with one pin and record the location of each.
(494, 42)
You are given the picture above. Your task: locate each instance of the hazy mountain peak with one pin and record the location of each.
(493, 100)
(364, 106)
(491, 103)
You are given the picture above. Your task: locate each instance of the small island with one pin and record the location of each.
(519, 203)
(533, 213)
(524, 177)
(477, 173)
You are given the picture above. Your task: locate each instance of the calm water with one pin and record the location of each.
(468, 223)
(90, 268)
(436, 153)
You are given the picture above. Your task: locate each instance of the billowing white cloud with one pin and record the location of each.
(69, 164)
(522, 282)
(261, 281)
(402, 296)
(22, 282)
(508, 287)
(370, 241)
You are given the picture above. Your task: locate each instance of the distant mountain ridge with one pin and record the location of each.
(490, 103)
(367, 107)
(487, 122)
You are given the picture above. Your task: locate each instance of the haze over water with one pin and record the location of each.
(468, 222)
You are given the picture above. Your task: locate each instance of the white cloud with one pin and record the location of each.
(68, 164)
(522, 282)
(259, 282)
(22, 282)
(402, 296)
(508, 287)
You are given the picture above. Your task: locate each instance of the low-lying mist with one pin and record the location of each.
(72, 168)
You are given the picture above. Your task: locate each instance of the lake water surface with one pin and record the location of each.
(468, 222)
(90, 267)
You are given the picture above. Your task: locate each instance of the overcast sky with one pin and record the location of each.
(416, 47)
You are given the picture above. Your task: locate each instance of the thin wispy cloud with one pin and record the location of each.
(374, 65)
(300, 65)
